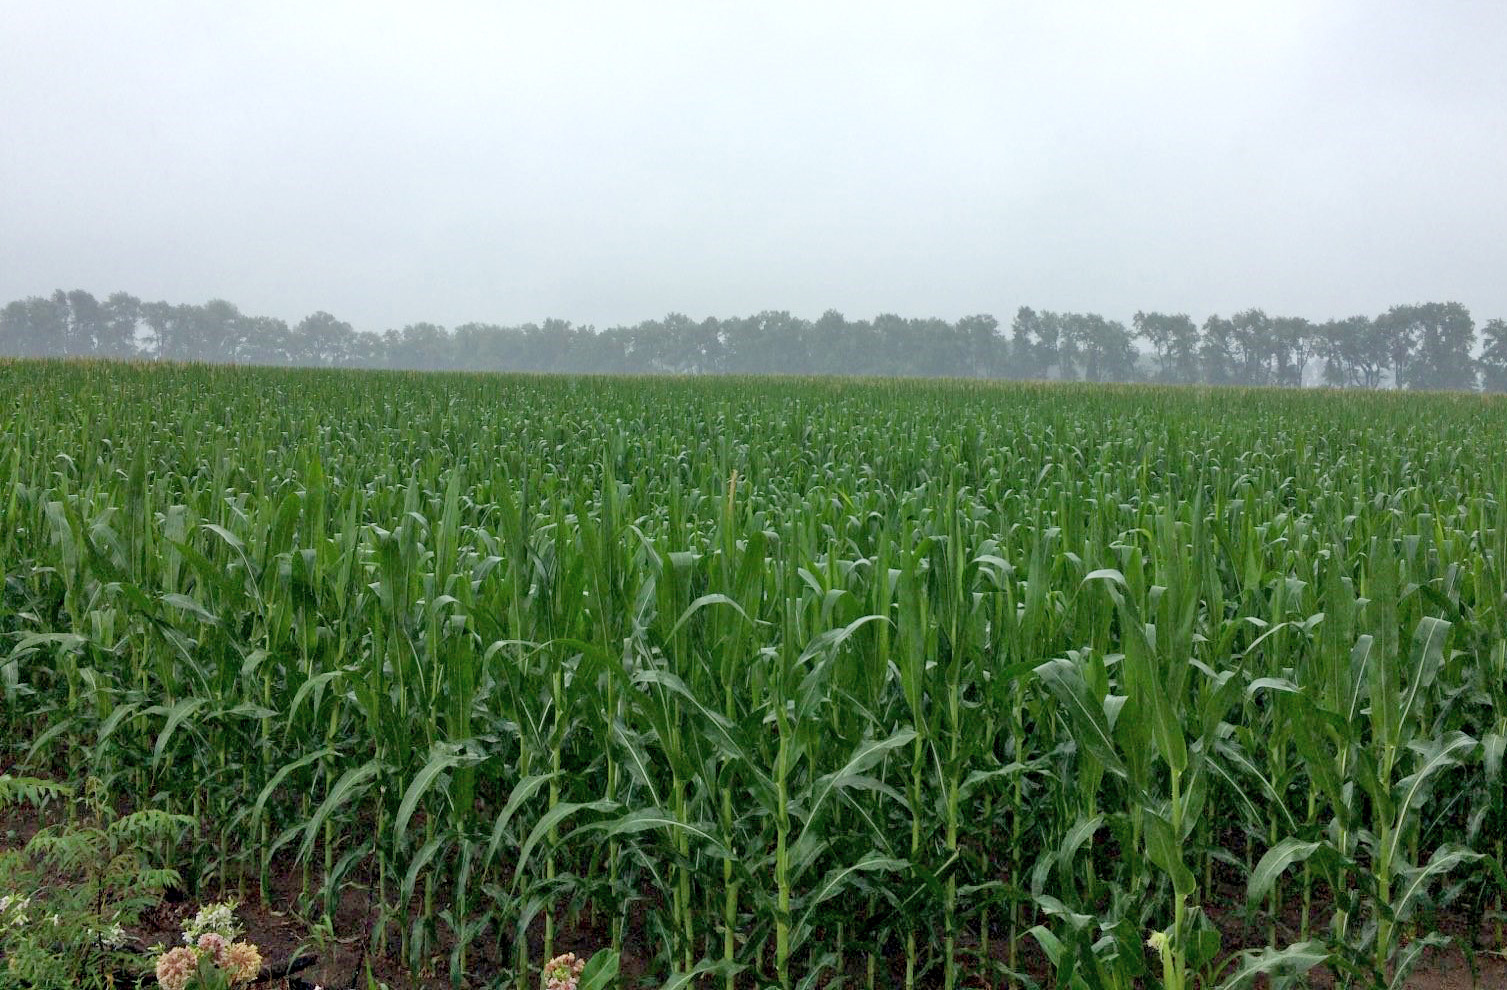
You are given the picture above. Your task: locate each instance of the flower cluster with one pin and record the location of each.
(113, 936)
(213, 945)
(176, 967)
(13, 911)
(243, 961)
(563, 972)
(217, 918)
(210, 939)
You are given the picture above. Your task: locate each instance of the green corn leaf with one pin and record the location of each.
(350, 786)
(1063, 679)
(1268, 963)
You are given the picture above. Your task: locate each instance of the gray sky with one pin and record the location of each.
(611, 162)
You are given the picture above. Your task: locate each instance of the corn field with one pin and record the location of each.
(784, 682)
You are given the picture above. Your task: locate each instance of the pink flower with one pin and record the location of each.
(215, 945)
(176, 967)
(563, 972)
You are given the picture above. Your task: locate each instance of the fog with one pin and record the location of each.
(609, 163)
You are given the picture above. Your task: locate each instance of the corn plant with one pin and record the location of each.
(778, 682)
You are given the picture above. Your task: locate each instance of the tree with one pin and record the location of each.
(1034, 342)
(894, 340)
(1337, 369)
(1216, 351)
(834, 345)
(703, 344)
(34, 327)
(675, 344)
(367, 351)
(1153, 328)
(1401, 338)
(161, 319)
(266, 340)
(560, 345)
(1371, 350)
(1185, 350)
(320, 339)
(420, 347)
(1293, 342)
(1251, 335)
(487, 347)
(610, 350)
(1101, 347)
(1440, 337)
(772, 341)
(84, 326)
(1336, 346)
(982, 345)
(1068, 343)
(1354, 351)
(1174, 343)
(864, 348)
(122, 317)
(215, 331)
(1494, 356)
(932, 348)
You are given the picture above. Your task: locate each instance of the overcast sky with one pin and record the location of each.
(611, 162)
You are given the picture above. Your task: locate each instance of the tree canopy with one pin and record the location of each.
(1421, 346)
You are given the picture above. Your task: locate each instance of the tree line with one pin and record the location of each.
(1426, 345)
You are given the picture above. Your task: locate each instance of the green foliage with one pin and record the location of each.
(68, 896)
(31, 791)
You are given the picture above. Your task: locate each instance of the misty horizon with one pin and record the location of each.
(1429, 346)
(807, 316)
